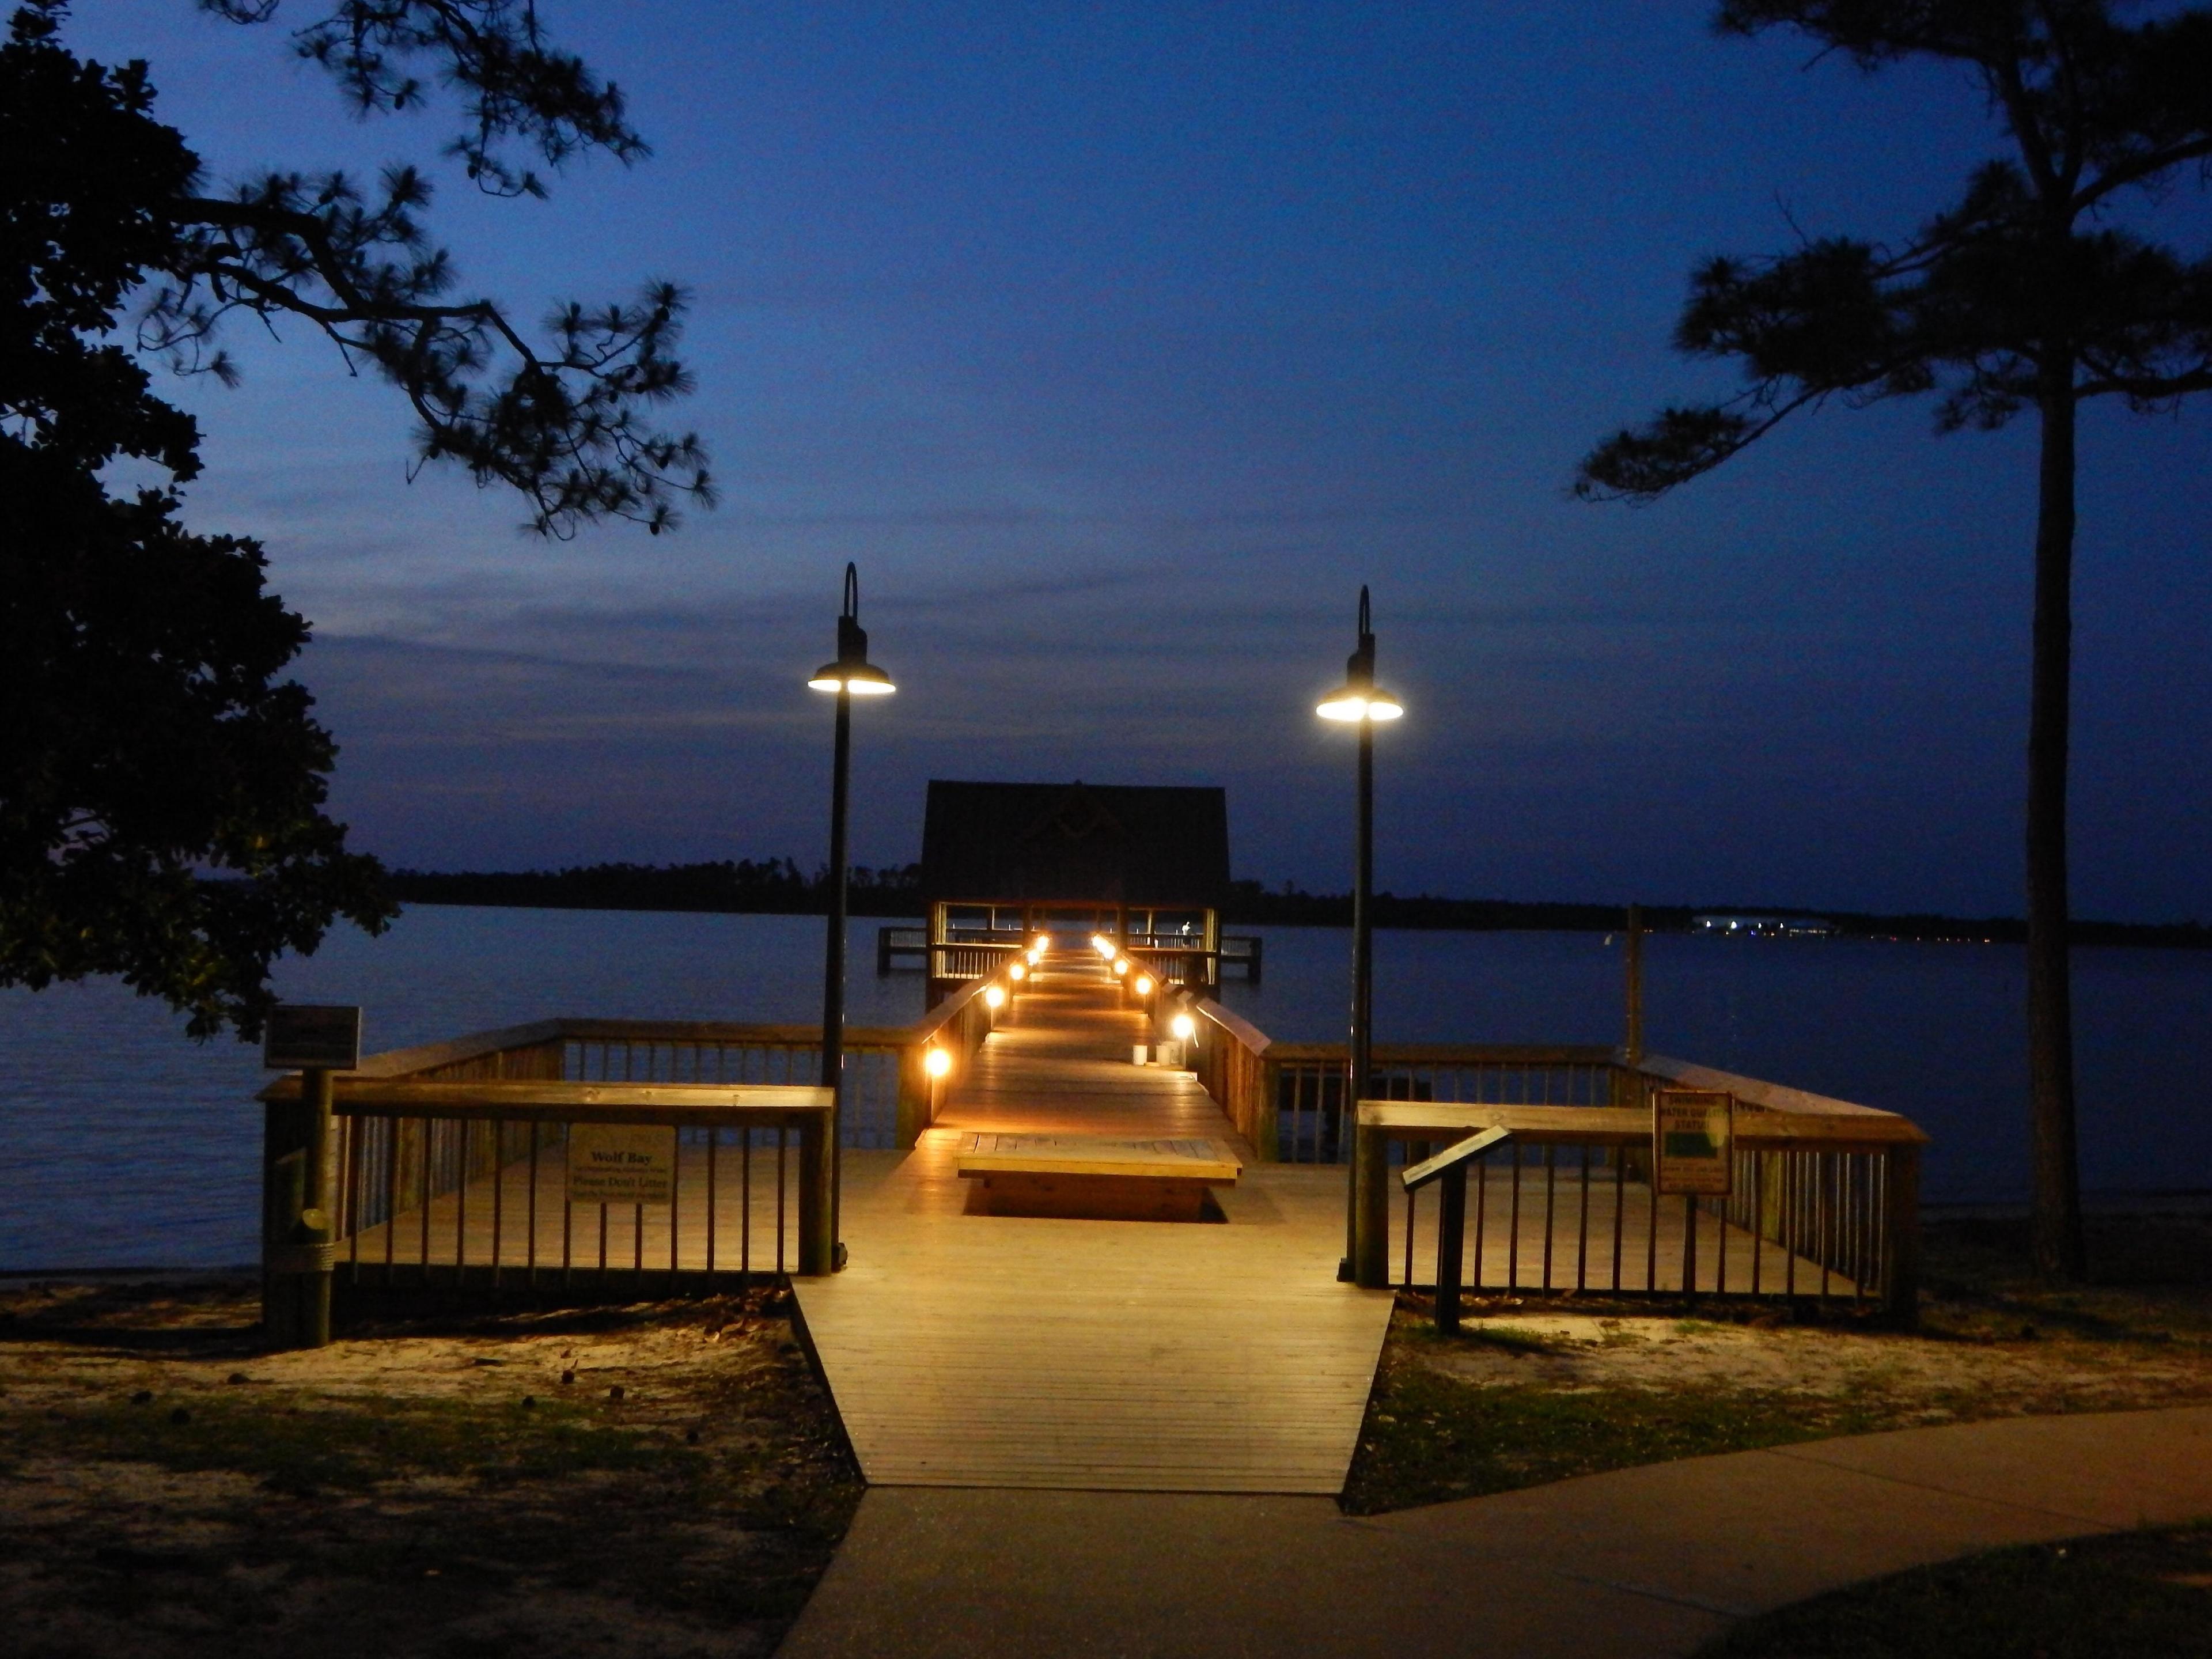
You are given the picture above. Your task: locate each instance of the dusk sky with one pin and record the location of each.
(1119, 345)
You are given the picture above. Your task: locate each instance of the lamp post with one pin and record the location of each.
(851, 676)
(1359, 702)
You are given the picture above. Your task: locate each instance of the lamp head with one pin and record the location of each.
(994, 996)
(852, 672)
(1184, 1027)
(1018, 971)
(936, 1062)
(1359, 698)
(1143, 985)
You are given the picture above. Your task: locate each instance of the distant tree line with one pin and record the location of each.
(772, 886)
(1290, 906)
(779, 886)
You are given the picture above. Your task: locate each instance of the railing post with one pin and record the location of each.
(816, 1250)
(295, 1219)
(1266, 1139)
(1370, 1216)
(1451, 1246)
(1900, 1276)
(914, 1096)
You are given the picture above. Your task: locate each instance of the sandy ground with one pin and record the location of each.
(1930, 1378)
(653, 1480)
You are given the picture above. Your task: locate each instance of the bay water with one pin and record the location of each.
(125, 1143)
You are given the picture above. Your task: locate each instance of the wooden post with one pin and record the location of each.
(1266, 1139)
(817, 1249)
(1371, 1220)
(296, 1222)
(1451, 1246)
(914, 1096)
(1632, 957)
(1900, 1278)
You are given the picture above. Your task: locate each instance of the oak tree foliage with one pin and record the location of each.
(162, 787)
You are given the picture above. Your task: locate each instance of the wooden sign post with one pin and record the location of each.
(299, 1188)
(1692, 1153)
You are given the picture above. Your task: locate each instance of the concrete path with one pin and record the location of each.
(1648, 1561)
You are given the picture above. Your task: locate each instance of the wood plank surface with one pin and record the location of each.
(1004, 1351)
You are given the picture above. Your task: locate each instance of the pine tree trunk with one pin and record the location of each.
(2057, 1187)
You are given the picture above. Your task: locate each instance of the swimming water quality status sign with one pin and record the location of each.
(1692, 1140)
(622, 1164)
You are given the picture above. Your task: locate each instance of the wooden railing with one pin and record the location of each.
(1287, 1098)
(954, 1029)
(1824, 1199)
(450, 1166)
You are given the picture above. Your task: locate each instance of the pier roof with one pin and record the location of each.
(1103, 843)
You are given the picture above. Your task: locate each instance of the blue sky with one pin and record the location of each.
(1119, 345)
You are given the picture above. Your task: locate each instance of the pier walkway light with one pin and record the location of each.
(1184, 1027)
(1143, 985)
(1359, 702)
(851, 676)
(994, 996)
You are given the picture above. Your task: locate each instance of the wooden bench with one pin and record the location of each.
(1085, 1177)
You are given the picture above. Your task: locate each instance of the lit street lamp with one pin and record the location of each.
(1362, 702)
(851, 676)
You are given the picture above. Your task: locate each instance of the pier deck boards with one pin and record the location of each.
(1004, 1351)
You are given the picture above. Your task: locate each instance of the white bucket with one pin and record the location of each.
(1169, 1054)
(1137, 1056)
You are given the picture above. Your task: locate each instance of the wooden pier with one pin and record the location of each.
(980, 1350)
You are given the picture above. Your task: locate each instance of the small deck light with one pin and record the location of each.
(1019, 970)
(936, 1062)
(1184, 1027)
(994, 996)
(1121, 966)
(1043, 944)
(1143, 985)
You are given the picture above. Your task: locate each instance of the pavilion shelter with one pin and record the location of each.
(1002, 862)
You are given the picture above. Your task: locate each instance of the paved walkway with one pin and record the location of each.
(1642, 1562)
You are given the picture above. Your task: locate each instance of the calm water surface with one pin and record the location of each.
(130, 1144)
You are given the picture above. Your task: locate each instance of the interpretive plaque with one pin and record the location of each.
(311, 1036)
(1692, 1141)
(622, 1164)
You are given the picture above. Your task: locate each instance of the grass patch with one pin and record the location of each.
(301, 1444)
(1628, 1381)
(2134, 1593)
(676, 1483)
(1428, 1437)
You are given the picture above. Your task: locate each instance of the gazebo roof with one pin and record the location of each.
(1079, 843)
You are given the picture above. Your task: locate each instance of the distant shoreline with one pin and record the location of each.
(778, 887)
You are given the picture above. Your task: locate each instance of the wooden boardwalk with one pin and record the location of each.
(975, 1350)
(972, 1349)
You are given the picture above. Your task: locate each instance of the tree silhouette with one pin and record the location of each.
(2025, 294)
(162, 787)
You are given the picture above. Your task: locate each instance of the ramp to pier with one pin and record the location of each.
(980, 1350)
